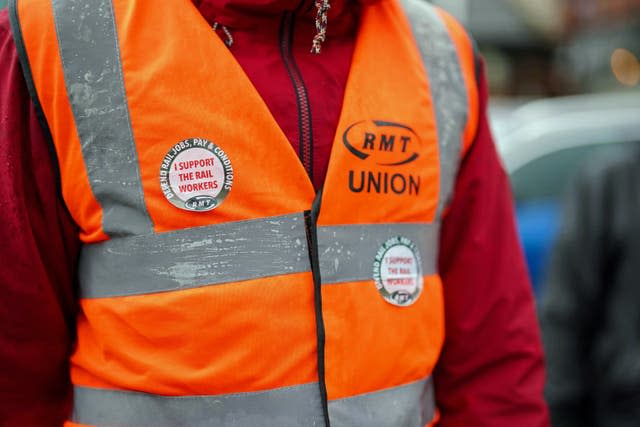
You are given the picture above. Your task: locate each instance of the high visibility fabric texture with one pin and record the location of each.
(370, 343)
(468, 59)
(210, 327)
(48, 78)
(195, 257)
(402, 343)
(379, 91)
(203, 340)
(109, 407)
(404, 187)
(285, 407)
(409, 405)
(447, 89)
(89, 51)
(346, 251)
(224, 253)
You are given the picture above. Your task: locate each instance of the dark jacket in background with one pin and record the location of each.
(590, 311)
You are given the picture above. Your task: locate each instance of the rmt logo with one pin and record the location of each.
(385, 142)
(391, 144)
(381, 145)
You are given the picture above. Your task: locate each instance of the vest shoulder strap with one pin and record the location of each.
(450, 60)
(28, 77)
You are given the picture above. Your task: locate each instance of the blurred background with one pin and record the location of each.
(564, 77)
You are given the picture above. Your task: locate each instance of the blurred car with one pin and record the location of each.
(543, 143)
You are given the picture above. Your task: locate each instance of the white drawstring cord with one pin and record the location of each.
(229, 37)
(321, 25)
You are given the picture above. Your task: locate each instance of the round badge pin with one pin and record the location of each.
(397, 271)
(196, 175)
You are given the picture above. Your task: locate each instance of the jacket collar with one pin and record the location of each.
(252, 13)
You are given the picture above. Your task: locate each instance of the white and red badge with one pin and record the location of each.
(397, 271)
(196, 175)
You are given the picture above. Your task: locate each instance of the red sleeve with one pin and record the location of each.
(491, 372)
(38, 252)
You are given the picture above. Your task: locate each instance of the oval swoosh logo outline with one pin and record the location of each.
(378, 124)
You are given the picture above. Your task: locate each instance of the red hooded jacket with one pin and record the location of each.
(491, 370)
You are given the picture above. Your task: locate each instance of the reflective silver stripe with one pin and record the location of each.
(95, 86)
(447, 88)
(411, 405)
(298, 406)
(194, 257)
(347, 252)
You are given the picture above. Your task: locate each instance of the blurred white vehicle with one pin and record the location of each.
(543, 143)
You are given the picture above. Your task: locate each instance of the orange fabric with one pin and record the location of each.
(202, 340)
(396, 350)
(46, 67)
(436, 418)
(402, 343)
(205, 340)
(387, 72)
(269, 179)
(467, 58)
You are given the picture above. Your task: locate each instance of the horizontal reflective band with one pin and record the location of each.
(347, 252)
(298, 406)
(194, 257)
(411, 405)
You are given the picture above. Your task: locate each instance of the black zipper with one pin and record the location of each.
(305, 152)
(310, 220)
(305, 130)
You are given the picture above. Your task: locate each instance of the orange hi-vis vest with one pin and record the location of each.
(216, 287)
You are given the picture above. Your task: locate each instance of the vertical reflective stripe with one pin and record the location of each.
(448, 89)
(93, 76)
(347, 252)
(297, 406)
(411, 405)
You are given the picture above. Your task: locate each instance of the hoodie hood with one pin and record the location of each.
(254, 13)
